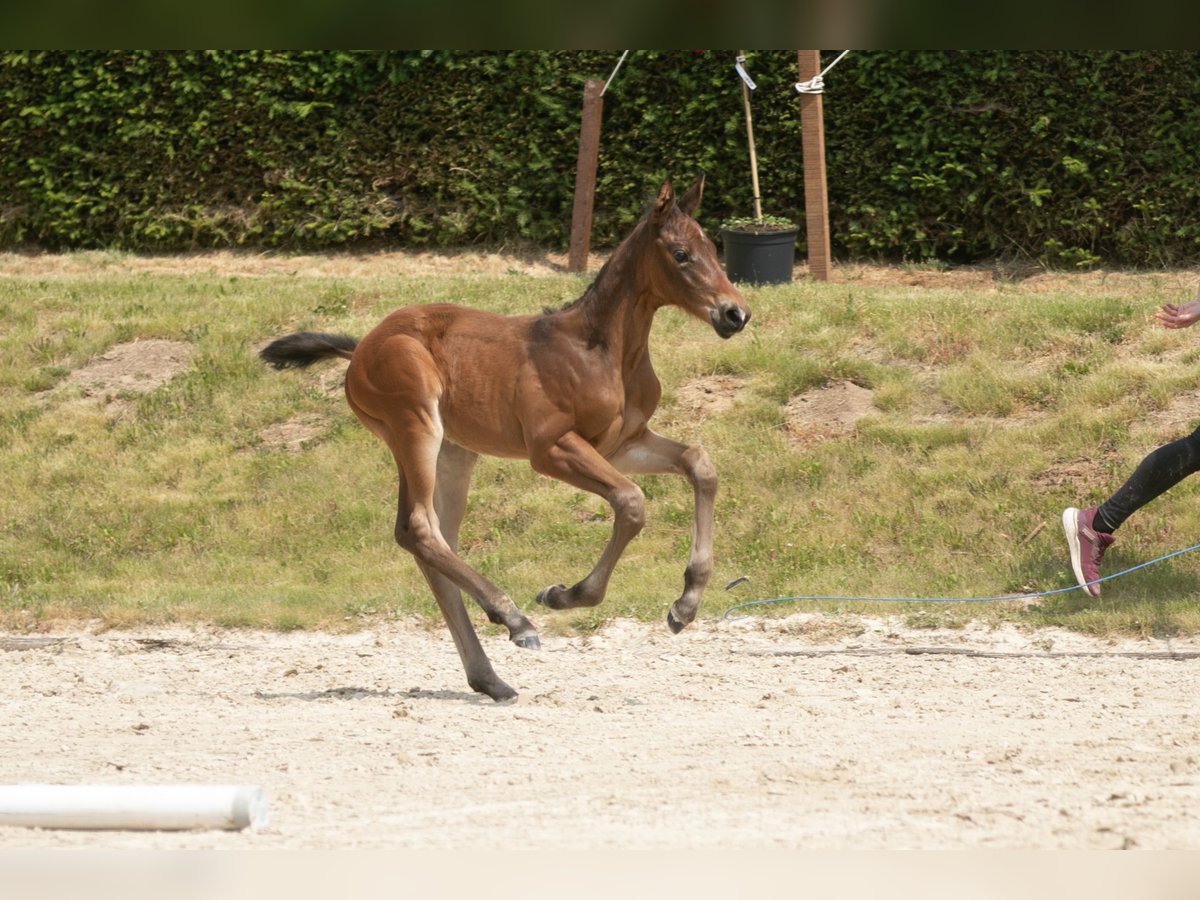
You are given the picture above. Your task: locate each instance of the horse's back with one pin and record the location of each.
(448, 325)
(459, 364)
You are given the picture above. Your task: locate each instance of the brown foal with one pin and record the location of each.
(572, 391)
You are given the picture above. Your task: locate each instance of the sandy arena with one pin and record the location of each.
(800, 732)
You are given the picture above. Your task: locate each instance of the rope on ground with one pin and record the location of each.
(1029, 596)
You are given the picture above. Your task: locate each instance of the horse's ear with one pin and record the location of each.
(663, 203)
(689, 200)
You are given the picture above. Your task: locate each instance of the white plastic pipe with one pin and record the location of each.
(117, 807)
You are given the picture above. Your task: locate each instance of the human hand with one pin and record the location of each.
(1183, 315)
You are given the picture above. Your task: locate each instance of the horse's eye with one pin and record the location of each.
(680, 256)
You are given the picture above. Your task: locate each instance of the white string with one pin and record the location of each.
(816, 84)
(614, 72)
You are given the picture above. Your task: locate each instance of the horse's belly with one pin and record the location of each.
(487, 441)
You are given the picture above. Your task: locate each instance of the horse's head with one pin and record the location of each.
(682, 263)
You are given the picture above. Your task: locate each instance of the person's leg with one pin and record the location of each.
(1160, 471)
(1089, 531)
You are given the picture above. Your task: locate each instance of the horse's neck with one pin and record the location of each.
(619, 311)
(620, 322)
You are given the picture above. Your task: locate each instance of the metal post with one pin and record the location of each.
(816, 195)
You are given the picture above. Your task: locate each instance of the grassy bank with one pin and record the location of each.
(993, 403)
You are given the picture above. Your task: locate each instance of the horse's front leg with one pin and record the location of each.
(653, 454)
(573, 460)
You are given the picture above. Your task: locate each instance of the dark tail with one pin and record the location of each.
(301, 350)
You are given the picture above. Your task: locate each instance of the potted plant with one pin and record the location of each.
(759, 249)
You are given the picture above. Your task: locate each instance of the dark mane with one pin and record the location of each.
(604, 293)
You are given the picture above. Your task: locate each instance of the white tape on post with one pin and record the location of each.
(740, 67)
(118, 807)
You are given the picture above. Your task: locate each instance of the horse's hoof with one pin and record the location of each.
(496, 689)
(528, 641)
(673, 623)
(543, 597)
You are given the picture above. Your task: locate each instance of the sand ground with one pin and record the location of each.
(793, 732)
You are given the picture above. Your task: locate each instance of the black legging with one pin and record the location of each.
(1160, 470)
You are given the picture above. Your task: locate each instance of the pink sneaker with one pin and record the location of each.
(1087, 546)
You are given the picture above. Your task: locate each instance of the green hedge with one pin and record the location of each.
(1072, 158)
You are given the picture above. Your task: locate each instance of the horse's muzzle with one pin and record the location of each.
(729, 318)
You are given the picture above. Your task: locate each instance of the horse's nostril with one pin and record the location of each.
(736, 316)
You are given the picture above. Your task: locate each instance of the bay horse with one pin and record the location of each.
(572, 391)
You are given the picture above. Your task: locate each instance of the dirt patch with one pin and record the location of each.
(136, 368)
(295, 434)
(761, 733)
(1074, 472)
(1177, 420)
(829, 411)
(331, 380)
(970, 277)
(300, 431)
(711, 395)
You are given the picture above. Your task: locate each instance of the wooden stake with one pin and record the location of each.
(758, 213)
(585, 176)
(816, 196)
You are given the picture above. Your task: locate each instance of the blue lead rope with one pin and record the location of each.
(1030, 596)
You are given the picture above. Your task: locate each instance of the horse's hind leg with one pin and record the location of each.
(424, 460)
(412, 521)
(418, 530)
(450, 501)
(480, 674)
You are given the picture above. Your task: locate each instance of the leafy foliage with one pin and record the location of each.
(765, 224)
(1072, 158)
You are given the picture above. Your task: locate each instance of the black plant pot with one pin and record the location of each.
(760, 257)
